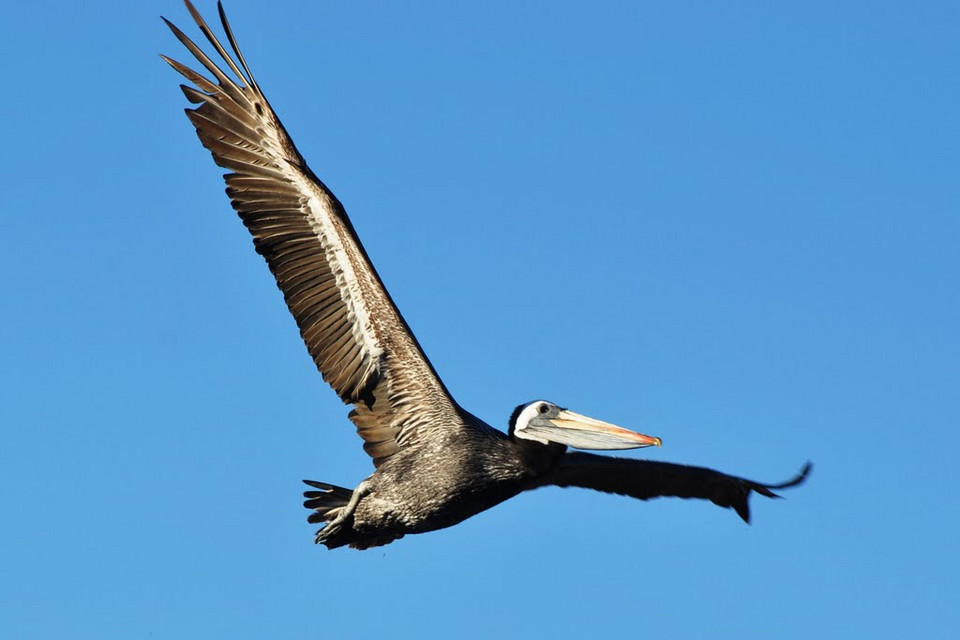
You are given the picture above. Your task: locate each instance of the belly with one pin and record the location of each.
(418, 507)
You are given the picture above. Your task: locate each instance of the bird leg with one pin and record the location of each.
(345, 512)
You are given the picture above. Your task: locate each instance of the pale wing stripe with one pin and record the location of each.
(334, 241)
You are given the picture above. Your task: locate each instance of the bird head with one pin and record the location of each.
(546, 423)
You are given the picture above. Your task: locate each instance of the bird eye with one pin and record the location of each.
(543, 408)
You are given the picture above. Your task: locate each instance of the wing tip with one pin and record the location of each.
(742, 506)
(798, 479)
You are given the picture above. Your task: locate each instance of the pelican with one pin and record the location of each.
(435, 463)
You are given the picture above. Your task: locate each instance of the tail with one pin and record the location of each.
(326, 502)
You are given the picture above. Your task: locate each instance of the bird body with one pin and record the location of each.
(439, 485)
(436, 464)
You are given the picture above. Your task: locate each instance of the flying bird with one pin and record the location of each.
(436, 464)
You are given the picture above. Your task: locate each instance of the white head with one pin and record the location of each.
(546, 423)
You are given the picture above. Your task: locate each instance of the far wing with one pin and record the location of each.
(645, 479)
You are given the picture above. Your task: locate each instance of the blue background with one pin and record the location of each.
(734, 227)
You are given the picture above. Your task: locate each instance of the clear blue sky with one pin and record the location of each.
(734, 227)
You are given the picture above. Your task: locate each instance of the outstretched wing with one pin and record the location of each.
(354, 332)
(644, 479)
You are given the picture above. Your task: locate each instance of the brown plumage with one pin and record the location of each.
(436, 464)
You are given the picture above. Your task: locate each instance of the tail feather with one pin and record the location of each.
(325, 502)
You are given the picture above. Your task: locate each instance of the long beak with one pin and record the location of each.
(581, 432)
